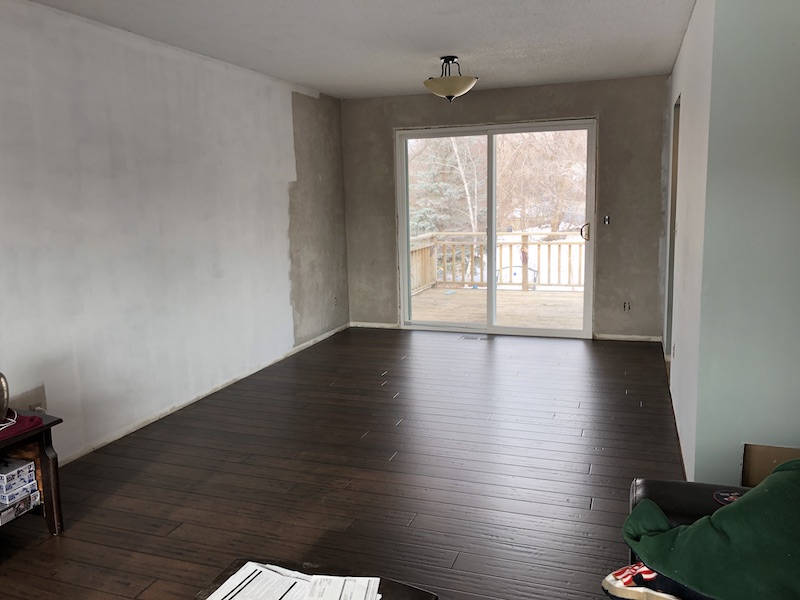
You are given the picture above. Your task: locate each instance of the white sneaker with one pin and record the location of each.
(620, 584)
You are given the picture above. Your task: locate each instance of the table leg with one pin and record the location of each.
(51, 491)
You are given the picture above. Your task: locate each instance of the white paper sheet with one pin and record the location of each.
(255, 581)
(326, 587)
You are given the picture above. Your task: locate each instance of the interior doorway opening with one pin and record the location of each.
(669, 346)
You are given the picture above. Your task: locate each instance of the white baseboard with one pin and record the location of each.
(160, 415)
(597, 336)
(375, 325)
(316, 340)
(627, 338)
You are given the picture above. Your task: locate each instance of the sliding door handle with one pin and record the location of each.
(585, 231)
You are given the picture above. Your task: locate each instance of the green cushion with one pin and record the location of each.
(746, 550)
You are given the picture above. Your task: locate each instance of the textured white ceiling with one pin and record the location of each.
(364, 48)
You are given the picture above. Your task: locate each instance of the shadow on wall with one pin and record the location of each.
(28, 400)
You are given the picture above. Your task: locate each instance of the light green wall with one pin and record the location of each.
(749, 379)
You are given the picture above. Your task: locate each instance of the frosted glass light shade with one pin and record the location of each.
(450, 86)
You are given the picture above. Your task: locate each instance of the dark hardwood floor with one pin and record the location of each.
(473, 467)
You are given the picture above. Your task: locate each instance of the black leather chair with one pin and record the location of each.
(683, 502)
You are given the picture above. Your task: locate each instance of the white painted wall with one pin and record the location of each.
(749, 384)
(691, 82)
(144, 251)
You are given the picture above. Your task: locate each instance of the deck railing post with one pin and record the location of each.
(432, 261)
(524, 255)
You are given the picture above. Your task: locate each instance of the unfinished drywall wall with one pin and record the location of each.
(630, 122)
(317, 220)
(145, 218)
(691, 81)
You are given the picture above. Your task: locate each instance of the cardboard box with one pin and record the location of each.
(18, 493)
(20, 507)
(15, 472)
(759, 461)
(21, 480)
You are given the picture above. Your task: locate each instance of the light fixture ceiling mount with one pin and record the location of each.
(447, 85)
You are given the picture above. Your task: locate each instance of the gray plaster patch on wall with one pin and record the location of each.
(317, 234)
(629, 113)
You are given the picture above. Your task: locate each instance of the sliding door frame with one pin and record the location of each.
(490, 131)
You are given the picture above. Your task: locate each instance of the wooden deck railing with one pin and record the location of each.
(458, 259)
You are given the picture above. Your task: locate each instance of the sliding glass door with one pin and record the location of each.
(446, 217)
(496, 228)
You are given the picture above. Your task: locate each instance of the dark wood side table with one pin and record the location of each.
(388, 588)
(37, 445)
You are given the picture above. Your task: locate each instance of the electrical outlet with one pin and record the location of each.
(626, 307)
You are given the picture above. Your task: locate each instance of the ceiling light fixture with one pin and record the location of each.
(447, 85)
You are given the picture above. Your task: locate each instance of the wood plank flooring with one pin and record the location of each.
(490, 468)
